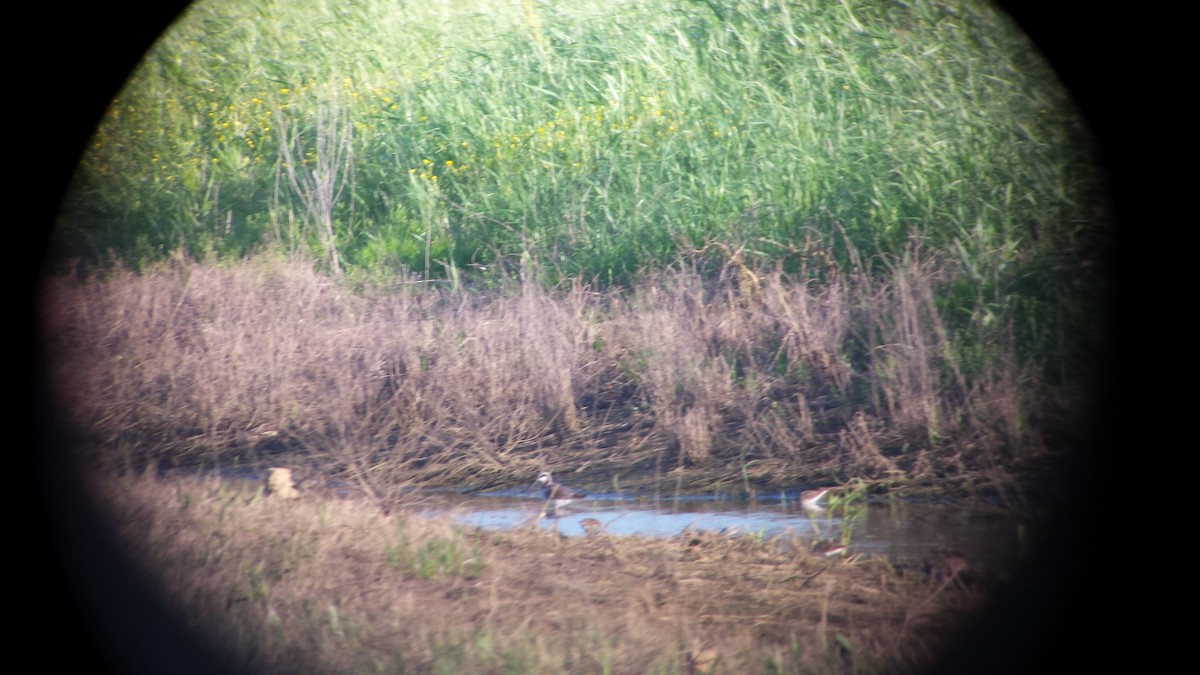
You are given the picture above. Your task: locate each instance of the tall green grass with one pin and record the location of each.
(599, 137)
(472, 141)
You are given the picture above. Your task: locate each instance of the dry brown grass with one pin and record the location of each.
(850, 378)
(335, 585)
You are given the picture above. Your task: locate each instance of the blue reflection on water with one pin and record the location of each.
(643, 519)
(904, 532)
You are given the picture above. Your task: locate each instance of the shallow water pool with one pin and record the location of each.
(904, 531)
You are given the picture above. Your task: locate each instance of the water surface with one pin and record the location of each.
(904, 531)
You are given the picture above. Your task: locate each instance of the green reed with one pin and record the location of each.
(597, 137)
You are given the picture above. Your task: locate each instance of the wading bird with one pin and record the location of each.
(557, 494)
(810, 500)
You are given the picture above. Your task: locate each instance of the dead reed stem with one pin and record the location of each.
(191, 363)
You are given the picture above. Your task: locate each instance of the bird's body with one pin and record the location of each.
(557, 494)
(591, 526)
(810, 500)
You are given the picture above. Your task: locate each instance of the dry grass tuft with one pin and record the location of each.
(385, 387)
(280, 483)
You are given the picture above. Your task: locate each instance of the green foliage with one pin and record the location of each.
(850, 503)
(597, 136)
(451, 555)
(600, 140)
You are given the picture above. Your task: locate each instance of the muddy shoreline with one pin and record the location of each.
(322, 585)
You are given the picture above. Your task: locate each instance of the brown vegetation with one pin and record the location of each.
(335, 585)
(700, 378)
(851, 378)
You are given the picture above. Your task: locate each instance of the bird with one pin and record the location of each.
(810, 499)
(591, 526)
(557, 494)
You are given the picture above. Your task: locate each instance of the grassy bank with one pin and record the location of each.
(869, 238)
(709, 246)
(336, 586)
(595, 136)
(766, 241)
(695, 375)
